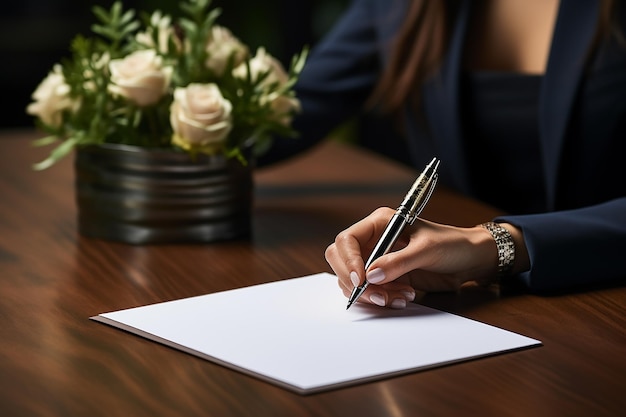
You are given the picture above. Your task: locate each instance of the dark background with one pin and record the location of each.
(36, 34)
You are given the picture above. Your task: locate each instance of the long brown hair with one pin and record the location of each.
(418, 49)
(416, 53)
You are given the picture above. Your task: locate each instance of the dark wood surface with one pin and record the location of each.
(54, 361)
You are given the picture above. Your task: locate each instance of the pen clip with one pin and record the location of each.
(431, 187)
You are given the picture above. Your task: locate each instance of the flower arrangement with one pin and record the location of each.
(148, 80)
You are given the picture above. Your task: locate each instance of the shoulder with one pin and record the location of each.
(380, 10)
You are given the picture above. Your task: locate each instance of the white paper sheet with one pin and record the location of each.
(298, 334)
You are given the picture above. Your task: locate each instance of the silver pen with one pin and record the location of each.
(411, 207)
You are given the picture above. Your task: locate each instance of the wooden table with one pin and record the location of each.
(54, 361)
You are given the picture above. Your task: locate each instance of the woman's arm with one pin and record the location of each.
(574, 247)
(338, 76)
(560, 250)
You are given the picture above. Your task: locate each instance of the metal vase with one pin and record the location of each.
(141, 196)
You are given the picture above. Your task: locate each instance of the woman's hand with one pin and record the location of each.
(427, 257)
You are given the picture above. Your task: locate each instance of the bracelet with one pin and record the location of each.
(505, 245)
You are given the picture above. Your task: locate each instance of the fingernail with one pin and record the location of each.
(375, 276)
(409, 295)
(377, 299)
(354, 277)
(398, 303)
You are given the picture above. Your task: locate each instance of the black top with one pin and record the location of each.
(500, 113)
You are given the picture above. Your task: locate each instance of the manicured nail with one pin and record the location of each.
(354, 277)
(409, 295)
(398, 303)
(377, 299)
(375, 276)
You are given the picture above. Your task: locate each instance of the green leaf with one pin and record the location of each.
(45, 141)
(98, 116)
(57, 153)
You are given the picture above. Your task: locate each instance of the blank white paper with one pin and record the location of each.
(298, 334)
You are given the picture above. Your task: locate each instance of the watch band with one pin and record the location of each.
(506, 247)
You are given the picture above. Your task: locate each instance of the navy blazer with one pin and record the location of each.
(581, 236)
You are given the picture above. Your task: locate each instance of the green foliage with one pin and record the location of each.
(93, 113)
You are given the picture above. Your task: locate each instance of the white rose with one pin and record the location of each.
(221, 46)
(263, 62)
(283, 106)
(51, 98)
(200, 116)
(140, 77)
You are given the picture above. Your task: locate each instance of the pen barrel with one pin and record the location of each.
(388, 238)
(411, 207)
(420, 192)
